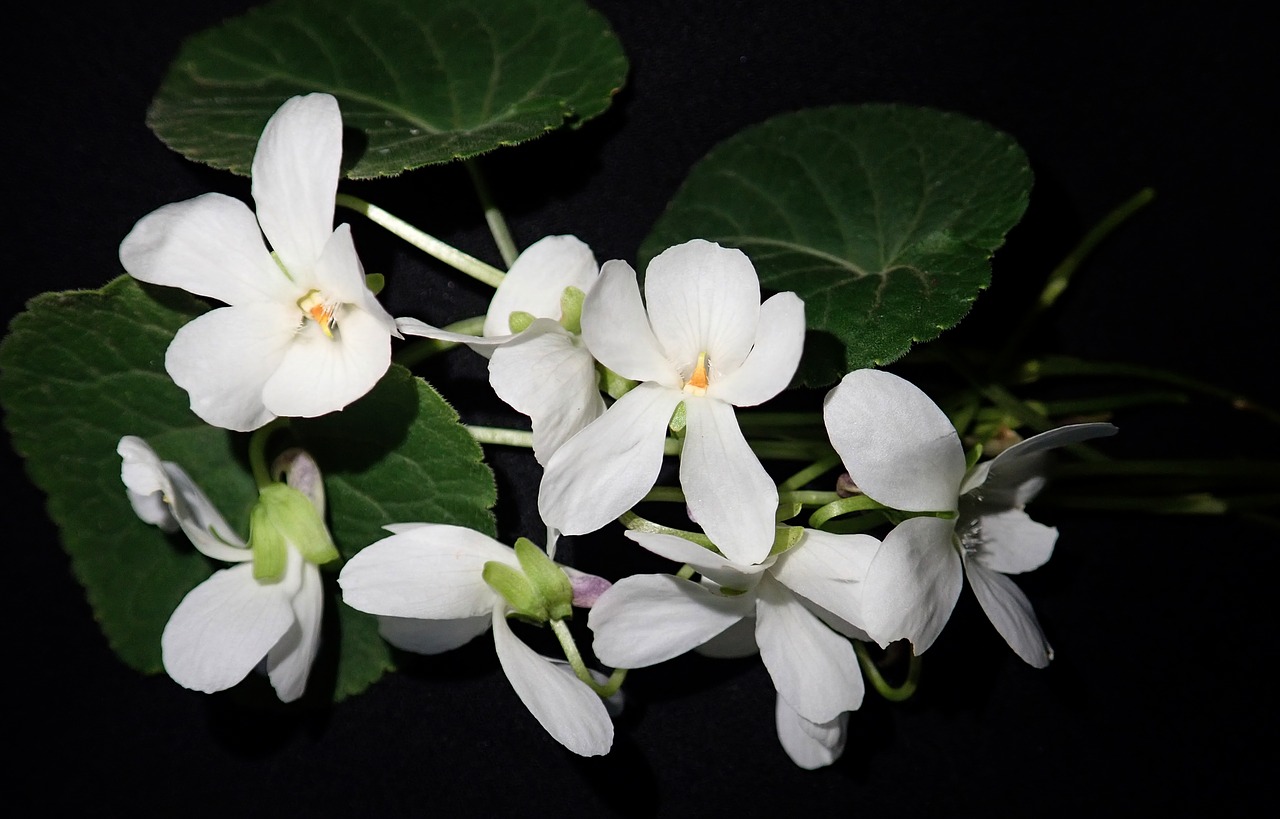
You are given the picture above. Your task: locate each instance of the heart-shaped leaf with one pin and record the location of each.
(883, 218)
(418, 82)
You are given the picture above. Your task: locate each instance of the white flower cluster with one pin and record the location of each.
(302, 335)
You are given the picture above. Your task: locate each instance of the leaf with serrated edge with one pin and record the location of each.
(79, 370)
(418, 82)
(883, 218)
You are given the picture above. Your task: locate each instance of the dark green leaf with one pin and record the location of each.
(883, 218)
(418, 82)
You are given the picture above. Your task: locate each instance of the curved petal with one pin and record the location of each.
(210, 246)
(608, 467)
(720, 570)
(224, 358)
(203, 525)
(547, 374)
(289, 661)
(773, 360)
(1010, 612)
(616, 329)
(480, 344)
(646, 619)
(810, 745)
(537, 280)
(564, 705)
(899, 448)
(829, 570)
(728, 492)
(703, 298)
(813, 668)
(428, 572)
(318, 375)
(1010, 542)
(146, 483)
(223, 628)
(1017, 475)
(431, 636)
(340, 276)
(738, 640)
(912, 584)
(295, 178)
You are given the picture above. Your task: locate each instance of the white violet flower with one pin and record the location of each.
(238, 620)
(539, 363)
(301, 335)
(902, 451)
(796, 599)
(702, 339)
(426, 584)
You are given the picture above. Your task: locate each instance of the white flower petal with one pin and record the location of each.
(1010, 612)
(646, 619)
(295, 178)
(810, 745)
(223, 628)
(318, 375)
(608, 467)
(913, 583)
(812, 667)
(340, 276)
(828, 570)
(203, 525)
(431, 636)
(1016, 475)
(480, 344)
(773, 360)
(899, 448)
(1010, 542)
(616, 329)
(146, 483)
(738, 640)
(210, 246)
(547, 374)
(537, 280)
(569, 711)
(224, 358)
(428, 572)
(728, 492)
(721, 570)
(289, 661)
(703, 298)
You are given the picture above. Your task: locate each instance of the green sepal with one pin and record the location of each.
(269, 550)
(375, 282)
(571, 309)
(516, 589)
(614, 385)
(298, 522)
(549, 581)
(677, 422)
(519, 321)
(971, 457)
(785, 537)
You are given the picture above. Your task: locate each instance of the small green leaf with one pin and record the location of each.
(883, 218)
(270, 553)
(516, 589)
(79, 370)
(549, 580)
(418, 82)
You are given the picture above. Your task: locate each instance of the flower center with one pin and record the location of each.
(697, 383)
(323, 313)
(969, 535)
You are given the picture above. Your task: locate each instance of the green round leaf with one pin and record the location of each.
(80, 370)
(883, 218)
(418, 82)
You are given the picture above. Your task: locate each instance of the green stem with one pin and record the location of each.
(809, 498)
(497, 224)
(1061, 275)
(872, 671)
(810, 473)
(258, 452)
(638, 524)
(423, 348)
(579, 667)
(843, 506)
(427, 243)
(502, 435)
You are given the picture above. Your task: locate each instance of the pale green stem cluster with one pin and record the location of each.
(571, 653)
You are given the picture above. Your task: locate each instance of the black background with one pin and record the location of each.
(1162, 625)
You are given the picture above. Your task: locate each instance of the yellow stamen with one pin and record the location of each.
(697, 383)
(322, 312)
